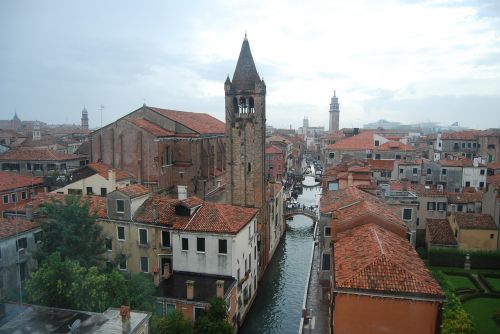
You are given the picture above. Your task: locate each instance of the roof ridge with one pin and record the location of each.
(378, 240)
(192, 218)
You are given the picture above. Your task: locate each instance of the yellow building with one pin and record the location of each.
(474, 231)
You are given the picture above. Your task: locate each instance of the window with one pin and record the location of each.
(109, 244)
(328, 231)
(167, 157)
(38, 237)
(401, 171)
(122, 262)
(200, 244)
(377, 156)
(469, 145)
(415, 170)
(331, 155)
(22, 243)
(491, 236)
(481, 184)
(482, 172)
(325, 263)
(120, 206)
(144, 264)
(22, 271)
(441, 206)
(185, 244)
(460, 208)
(443, 171)
(398, 156)
(368, 155)
(333, 186)
(407, 213)
(377, 143)
(431, 206)
(222, 246)
(23, 195)
(474, 145)
(165, 239)
(429, 171)
(170, 308)
(490, 146)
(89, 191)
(198, 311)
(467, 183)
(159, 309)
(104, 192)
(14, 198)
(143, 236)
(5, 199)
(121, 232)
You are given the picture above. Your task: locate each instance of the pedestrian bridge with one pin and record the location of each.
(300, 210)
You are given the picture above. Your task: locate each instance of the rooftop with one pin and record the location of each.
(245, 75)
(151, 127)
(10, 181)
(134, 190)
(200, 123)
(103, 169)
(11, 226)
(25, 154)
(440, 232)
(475, 221)
(371, 258)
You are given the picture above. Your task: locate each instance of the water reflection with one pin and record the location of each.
(277, 308)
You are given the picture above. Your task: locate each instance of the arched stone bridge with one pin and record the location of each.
(300, 210)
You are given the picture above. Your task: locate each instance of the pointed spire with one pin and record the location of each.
(245, 74)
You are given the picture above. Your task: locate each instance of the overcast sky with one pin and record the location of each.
(406, 61)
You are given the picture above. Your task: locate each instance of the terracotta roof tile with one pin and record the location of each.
(475, 221)
(11, 181)
(494, 165)
(11, 226)
(395, 146)
(456, 163)
(102, 170)
(200, 123)
(371, 258)
(493, 180)
(387, 165)
(464, 197)
(134, 190)
(25, 154)
(362, 141)
(165, 210)
(440, 232)
(464, 135)
(97, 204)
(151, 127)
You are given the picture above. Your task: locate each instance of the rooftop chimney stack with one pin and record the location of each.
(220, 288)
(125, 315)
(182, 192)
(189, 290)
(112, 180)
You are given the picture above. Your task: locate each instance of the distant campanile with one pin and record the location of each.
(85, 119)
(334, 113)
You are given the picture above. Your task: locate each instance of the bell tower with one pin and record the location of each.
(334, 113)
(245, 101)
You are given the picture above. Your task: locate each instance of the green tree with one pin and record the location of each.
(70, 229)
(214, 320)
(140, 290)
(174, 323)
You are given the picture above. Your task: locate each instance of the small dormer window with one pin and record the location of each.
(120, 206)
(377, 143)
(182, 210)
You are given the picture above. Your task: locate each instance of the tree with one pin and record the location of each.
(214, 320)
(67, 284)
(70, 229)
(174, 323)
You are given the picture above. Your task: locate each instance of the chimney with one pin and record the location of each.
(182, 192)
(189, 290)
(220, 288)
(349, 180)
(125, 315)
(166, 271)
(112, 179)
(29, 211)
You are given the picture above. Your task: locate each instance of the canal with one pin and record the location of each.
(278, 305)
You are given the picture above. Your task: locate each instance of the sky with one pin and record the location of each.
(403, 61)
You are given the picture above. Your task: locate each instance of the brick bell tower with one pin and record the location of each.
(245, 133)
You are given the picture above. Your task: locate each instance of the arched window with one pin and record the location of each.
(250, 105)
(243, 105)
(235, 105)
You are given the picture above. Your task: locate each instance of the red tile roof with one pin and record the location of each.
(25, 154)
(11, 226)
(493, 180)
(386, 165)
(440, 232)
(134, 190)
(165, 208)
(456, 163)
(464, 135)
(11, 181)
(475, 221)
(494, 165)
(464, 197)
(395, 146)
(362, 141)
(97, 204)
(203, 124)
(371, 258)
(150, 127)
(102, 170)
(272, 149)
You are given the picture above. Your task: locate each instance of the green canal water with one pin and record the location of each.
(277, 307)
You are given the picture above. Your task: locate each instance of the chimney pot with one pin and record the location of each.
(182, 192)
(220, 288)
(125, 315)
(189, 290)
